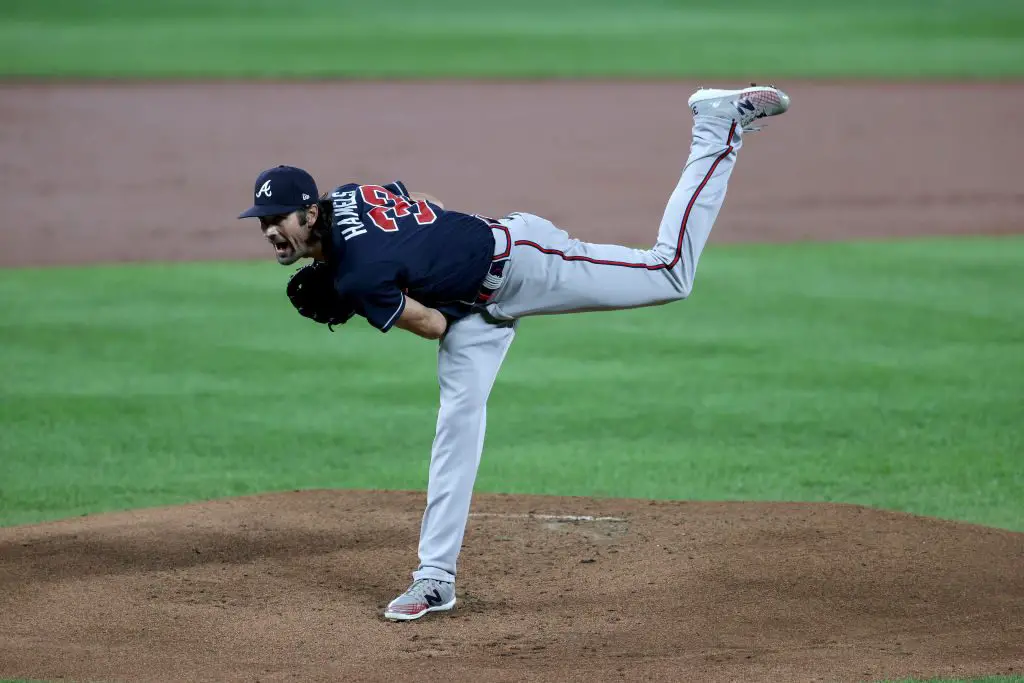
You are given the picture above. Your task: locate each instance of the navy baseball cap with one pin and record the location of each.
(282, 189)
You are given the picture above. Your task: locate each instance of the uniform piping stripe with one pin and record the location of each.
(391, 320)
(682, 227)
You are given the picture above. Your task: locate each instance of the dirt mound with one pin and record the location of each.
(290, 586)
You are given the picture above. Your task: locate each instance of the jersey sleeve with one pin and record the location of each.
(398, 187)
(377, 299)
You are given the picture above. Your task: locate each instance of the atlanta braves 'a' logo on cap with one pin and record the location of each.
(281, 190)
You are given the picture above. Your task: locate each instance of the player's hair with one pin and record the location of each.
(322, 224)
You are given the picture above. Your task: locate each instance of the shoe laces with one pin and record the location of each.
(420, 587)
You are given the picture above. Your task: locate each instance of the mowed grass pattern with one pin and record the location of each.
(887, 374)
(741, 39)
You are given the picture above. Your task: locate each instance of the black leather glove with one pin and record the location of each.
(311, 291)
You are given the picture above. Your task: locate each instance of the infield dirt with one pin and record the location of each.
(289, 586)
(159, 171)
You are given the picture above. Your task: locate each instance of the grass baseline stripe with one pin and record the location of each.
(454, 38)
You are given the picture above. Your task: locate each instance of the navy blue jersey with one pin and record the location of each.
(384, 245)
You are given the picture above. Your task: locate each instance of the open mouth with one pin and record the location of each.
(281, 245)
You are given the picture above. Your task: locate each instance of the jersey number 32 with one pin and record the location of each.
(389, 207)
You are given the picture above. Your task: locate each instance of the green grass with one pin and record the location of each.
(529, 38)
(887, 374)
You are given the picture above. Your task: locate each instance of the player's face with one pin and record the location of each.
(291, 235)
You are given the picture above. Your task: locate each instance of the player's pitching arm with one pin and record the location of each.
(424, 321)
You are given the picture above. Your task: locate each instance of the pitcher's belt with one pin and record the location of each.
(502, 255)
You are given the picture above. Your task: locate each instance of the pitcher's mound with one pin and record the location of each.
(290, 586)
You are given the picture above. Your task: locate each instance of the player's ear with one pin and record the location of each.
(313, 212)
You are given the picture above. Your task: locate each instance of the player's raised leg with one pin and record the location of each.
(468, 361)
(550, 272)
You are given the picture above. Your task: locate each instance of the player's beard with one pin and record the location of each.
(289, 255)
(302, 245)
(315, 236)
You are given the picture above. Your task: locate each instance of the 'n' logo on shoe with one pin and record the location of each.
(434, 599)
(745, 104)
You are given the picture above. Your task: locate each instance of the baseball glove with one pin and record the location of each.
(311, 291)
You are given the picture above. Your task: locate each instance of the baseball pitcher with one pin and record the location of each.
(401, 259)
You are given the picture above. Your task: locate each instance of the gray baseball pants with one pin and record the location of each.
(550, 272)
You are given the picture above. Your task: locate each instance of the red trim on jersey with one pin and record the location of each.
(682, 227)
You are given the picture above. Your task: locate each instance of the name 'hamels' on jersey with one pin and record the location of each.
(384, 244)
